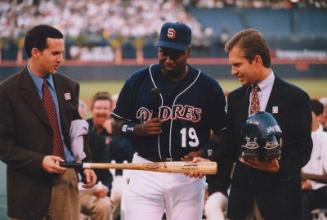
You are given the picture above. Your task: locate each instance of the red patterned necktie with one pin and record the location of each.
(50, 110)
(255, 104)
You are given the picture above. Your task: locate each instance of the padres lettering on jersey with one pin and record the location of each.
(183, 112)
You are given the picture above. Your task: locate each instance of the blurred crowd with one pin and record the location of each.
(109, 23)
(260, 3)
(122, 18)
(104, 18)
(98, 29)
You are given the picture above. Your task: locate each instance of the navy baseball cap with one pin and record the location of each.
(176, 36)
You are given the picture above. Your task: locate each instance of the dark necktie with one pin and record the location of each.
(255, 104)
(50, 110)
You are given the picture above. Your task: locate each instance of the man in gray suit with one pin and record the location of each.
(37, 106)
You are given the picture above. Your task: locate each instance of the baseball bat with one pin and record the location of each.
(206, 168)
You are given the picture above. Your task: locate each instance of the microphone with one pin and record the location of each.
(155, 101)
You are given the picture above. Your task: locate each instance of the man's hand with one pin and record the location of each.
(107, 125)
(191, 155)
(268, 166)
(101, 191)
(306, 185)
(197, 174)
(50, 163)
(90, 178)
(148, 128)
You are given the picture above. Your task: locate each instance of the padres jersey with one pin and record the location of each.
(189, 109)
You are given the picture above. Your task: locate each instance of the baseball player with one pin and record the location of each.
(168, 111)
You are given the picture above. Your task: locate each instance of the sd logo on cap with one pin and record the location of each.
(176, 36)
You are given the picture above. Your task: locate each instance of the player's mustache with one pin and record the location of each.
(170, 66)
(102, 115)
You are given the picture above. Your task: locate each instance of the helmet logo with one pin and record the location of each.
(262, 137)
(272, 143)
(251, 144)
(171, 33)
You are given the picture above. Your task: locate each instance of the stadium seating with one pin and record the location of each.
(310, 23)
(273, 23)
(219, 19)
(288, 28)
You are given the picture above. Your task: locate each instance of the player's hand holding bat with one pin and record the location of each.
(197, 173)
(148, 128)
(191, 155)
(195, 156)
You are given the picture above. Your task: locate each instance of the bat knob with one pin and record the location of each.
(71, 165)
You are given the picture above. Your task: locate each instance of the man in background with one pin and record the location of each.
(323, 117)
(314, 173)
(104, 148)
(95, 202)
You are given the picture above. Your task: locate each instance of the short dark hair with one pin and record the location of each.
(316, 107)
(37, 37)
(101, 96)
(252, 43)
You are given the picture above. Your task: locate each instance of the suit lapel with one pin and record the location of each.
(29, 93)
(244, 104)
(239, 108)
(60, 91)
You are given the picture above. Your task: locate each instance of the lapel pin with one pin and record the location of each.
(67, 96)
(275, 109)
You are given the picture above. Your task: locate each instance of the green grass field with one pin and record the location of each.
(314, 87)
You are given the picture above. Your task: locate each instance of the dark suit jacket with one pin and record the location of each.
(99, 147)
(278, 195)
(26, 137)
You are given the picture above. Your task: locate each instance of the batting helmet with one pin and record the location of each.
(261, 137)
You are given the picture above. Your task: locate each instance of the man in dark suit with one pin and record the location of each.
(274, 186)
(37, 107)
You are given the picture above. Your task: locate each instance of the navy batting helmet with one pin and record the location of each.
(261, 137)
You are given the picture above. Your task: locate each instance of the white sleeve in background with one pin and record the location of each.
(324, 151)
(78, 128)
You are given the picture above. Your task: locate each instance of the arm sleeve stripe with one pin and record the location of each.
(119, 117)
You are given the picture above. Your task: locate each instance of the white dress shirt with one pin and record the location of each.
(318, 160)
(265, 91)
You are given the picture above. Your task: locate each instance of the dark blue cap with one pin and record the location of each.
(175, 36)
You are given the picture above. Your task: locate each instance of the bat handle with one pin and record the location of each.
(71, 165)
